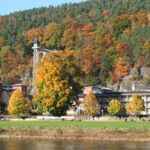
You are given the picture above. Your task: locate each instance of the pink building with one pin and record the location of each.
(21, 87)
(87, 90)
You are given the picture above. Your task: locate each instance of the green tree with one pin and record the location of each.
(52, 36)
(18, 103)
(91, 106)
(107, 61)
(135, 106)
(120, 24)
(114, 107)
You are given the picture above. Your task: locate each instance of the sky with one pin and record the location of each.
(10, 6)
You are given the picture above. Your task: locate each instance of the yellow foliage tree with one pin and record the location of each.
(2, 41)
(114, 107)
(53, 92)
(136, 105)
(18, 103)
(91, 106)
(68, 62)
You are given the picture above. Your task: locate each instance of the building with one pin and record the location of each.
(105, 95)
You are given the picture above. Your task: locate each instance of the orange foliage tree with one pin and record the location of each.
(53, 92)
(122, 48)
(33, 33)
(121, 68)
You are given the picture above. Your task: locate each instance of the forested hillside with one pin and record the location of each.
(107, 37)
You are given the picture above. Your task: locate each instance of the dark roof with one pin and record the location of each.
(124, 93)
(8, 89)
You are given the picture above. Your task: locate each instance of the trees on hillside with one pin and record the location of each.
(12, 65)
(100, 33)
(120, 24)
(18, 103)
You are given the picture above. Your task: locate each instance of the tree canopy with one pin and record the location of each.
(53, 93)
(115, 107)
(18, 103)
(91, 106)
(136, 105)
(100, 31)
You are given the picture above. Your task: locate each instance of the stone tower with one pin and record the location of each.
(36, 50)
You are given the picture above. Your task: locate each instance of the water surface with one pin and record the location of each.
(38, 144)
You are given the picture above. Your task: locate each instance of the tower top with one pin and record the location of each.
(35, 44)
(36, 41)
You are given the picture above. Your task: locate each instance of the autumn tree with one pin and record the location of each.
(91, 106)
(142, 18)
(136, 105)
(53, 92)
(52, 36)
(2, 41)
(121, 68)
(70, 37)
(12, 64)
(18, 103)
(122, 48)
(69, 63)
(114, 107)
(33, 33)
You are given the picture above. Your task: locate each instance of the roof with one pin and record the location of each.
(124, 93)
(18, 85)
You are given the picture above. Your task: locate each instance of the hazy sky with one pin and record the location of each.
(7, 6)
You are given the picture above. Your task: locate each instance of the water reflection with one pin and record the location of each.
(38, 144)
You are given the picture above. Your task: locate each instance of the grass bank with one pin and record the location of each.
(82, 124)
(127, 131)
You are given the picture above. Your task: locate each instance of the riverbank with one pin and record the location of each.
(76, 133)
(106, 131)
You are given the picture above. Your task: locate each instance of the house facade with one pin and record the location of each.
(105, 95)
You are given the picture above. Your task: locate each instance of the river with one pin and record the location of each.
(38, 144)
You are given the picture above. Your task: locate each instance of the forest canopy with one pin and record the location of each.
(102, 33)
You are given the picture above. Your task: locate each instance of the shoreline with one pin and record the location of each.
(76, 133)
(85, 138)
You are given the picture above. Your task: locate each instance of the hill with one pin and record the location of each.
(110, 36)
